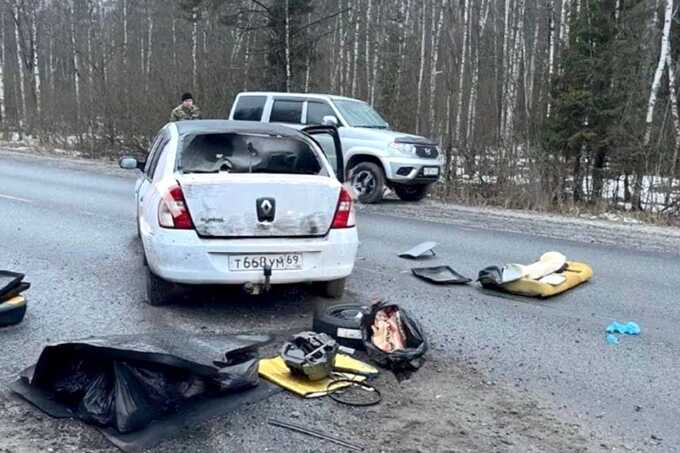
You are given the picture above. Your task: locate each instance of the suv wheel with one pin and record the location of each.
(158, 291)
(368, 180)
(414, 192)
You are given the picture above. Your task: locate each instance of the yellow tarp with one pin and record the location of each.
(575, 273)
(18, 300)
(276, 371)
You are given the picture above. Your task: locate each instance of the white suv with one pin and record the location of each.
(230, 202)
(375, 156)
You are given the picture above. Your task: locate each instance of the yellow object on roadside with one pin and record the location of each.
(17, 300)
(276, 371)
(575, 274)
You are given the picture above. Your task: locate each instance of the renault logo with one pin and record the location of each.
(266, 209)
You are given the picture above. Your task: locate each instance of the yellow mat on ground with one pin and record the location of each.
(575, 273)
(16, 300)
(276, 371)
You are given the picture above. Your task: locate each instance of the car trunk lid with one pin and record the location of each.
(243, 205)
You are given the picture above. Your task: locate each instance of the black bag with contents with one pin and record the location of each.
(393, 338)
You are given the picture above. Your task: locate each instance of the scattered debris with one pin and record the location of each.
(612, 339)
(275, 370)
(315, 433)
(440, 275)
(420, 250)
(344, 391)
(126, 382)
(12, 303)
(393, 338)
(630, 328)
(342, 322)
(551, 276)
(310, 355)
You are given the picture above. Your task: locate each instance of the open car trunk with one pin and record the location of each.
(242, 205)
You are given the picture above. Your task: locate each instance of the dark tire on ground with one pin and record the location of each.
(368, 179)
(414, 192)
(347, 317)
(160, 292)
(334, 289)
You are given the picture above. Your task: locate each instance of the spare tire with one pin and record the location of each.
(12, 311)
(342, 322)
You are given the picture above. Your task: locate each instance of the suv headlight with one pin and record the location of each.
(407, 149)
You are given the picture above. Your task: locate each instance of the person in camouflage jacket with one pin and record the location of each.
(186, 110)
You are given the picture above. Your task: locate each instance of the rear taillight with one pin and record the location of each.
(173, 212)
(344, 214)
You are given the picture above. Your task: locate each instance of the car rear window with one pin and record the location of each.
(286, 111)
(249, 108)
(246, 153)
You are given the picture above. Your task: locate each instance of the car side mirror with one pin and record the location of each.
(329, 120)
(130, 163)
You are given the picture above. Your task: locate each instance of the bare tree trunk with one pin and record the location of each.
(461, 71)
(287, 25)
(436, 39)
(194, 48)
(376, 57)
(125, 34)
(149, 46)
(665, 51)
(676, 122)
(355, 52)
(3, 116)
(421, 72)
(551, 55)
(35, 64)
(404, 28)
(367, 52)
(308, 64)
(21, 115)
(474, 89)
(74, 61)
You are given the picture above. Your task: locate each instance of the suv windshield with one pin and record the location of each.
(360, 114)
(247, 153)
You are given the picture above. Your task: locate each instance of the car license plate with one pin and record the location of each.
(278, 262)
(431, 171)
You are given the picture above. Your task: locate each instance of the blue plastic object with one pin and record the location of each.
(630, 328)
(612, 339)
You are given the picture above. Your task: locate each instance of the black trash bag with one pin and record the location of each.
(134, 408)
(72, 380)
(97, 406)
(409, 358)
(127, 382)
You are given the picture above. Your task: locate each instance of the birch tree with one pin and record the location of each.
(663, 58)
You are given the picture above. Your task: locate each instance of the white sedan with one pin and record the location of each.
(244, 203)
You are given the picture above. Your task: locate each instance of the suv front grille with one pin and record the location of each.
(427, 151)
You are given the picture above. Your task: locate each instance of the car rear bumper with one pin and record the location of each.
(183, 257)
(410, 170)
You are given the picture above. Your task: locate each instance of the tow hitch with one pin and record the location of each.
(255, 289)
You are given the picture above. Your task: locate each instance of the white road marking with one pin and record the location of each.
(10, 197)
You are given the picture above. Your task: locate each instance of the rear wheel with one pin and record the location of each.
(158, 291)
(415, 192)
(368, 180)
(334, 289)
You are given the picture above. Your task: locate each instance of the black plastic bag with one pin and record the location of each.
(409, 358)
(97, 405)
(127, 382)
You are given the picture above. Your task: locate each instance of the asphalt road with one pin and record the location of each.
(70, 226)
